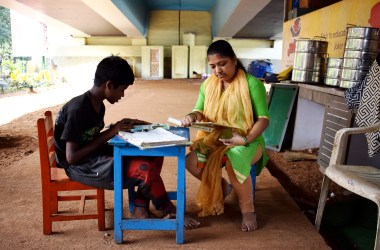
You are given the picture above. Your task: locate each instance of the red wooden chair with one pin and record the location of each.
(55, 180)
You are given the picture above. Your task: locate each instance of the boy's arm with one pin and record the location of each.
(76, 152)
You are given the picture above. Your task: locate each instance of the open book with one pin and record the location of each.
(157, 137)
(205, 126)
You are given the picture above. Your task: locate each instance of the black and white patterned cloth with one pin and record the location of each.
(369, 107)
(353, 95)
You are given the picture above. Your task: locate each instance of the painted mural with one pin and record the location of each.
(330, 24)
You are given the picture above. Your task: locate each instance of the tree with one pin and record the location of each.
(5, 46)
(5, 34)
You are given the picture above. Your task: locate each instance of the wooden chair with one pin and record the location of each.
(55, 180)
(361, 180)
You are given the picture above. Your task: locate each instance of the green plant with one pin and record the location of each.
(29, 80)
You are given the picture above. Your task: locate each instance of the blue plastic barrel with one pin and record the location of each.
(295, 4)
(260, 68)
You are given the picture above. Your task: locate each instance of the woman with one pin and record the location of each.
(233, 98)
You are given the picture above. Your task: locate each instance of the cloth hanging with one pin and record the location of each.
(369, 108)
(353, 95)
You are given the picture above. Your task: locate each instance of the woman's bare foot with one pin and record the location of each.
(142, 213)
(226, 188)
(249, 222)
(189, 222)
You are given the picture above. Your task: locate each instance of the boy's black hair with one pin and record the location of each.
(114, 69)
(224, 49)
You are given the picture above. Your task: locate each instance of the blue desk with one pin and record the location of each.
(123, 148)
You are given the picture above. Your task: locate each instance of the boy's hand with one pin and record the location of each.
(127, 124)
(124, 125)
(139, 122)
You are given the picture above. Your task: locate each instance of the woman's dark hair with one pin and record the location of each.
(114, 69)
(224, 48)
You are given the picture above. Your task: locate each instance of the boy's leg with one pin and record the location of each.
(141, 210)
(145, 173)
(97, 172)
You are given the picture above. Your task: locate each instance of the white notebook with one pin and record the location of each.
(158, 137)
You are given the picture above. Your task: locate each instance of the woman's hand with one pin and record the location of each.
(235, 140)
(260, 125)
(189, 119)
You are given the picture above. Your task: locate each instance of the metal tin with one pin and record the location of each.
(306, 76)
(346, 84)
(363, 32)
(365, 55)
(357, 63)
(311, 46)
(308, 61)
(335, 82)
(335, 62)
(333, 72)
(362, 44)
(353, 74)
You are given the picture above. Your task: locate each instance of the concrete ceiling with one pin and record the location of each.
(255, 19)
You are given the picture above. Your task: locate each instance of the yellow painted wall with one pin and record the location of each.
(330, 22)
(104, 40)
(250, 43)
(115, 40)
(164, 27)
(96, 50)
(198, 23)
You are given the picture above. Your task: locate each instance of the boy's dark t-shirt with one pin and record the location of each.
(78, 122)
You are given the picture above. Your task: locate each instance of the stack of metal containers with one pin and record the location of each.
(361, 48)
(309, 64)
(333, 71)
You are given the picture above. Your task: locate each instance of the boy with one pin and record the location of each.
(81, 145)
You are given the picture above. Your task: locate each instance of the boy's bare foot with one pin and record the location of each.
(249, 222)
(142, 213)
(226, 188)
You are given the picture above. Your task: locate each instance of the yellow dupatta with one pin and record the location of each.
(231, 107)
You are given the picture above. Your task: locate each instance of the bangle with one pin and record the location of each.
(245, 140)
(193, 115)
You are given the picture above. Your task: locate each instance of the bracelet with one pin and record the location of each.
(192, 115)
(245, 140)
